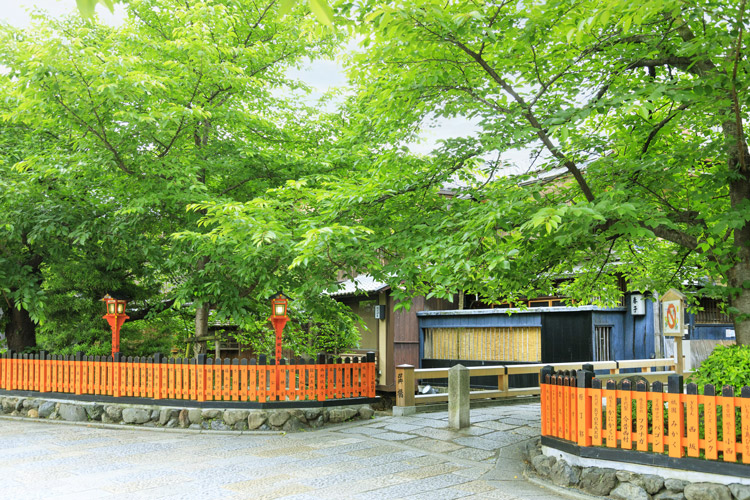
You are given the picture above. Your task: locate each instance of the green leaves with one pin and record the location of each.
(88, 7)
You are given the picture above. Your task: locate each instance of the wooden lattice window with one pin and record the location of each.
(484, 344)
(602, 336)
(711, 313)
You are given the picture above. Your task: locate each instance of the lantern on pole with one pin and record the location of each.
(115, 317)
(278, 318)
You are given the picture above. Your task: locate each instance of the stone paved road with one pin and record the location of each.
(415, 457)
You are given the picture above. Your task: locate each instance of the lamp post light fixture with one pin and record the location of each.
(115, 317)
(278, 318)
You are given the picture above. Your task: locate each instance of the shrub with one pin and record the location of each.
(727, 365)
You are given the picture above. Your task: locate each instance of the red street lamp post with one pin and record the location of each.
(279, 318)
(115, 317)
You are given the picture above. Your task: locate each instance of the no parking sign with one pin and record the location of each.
(673, 305)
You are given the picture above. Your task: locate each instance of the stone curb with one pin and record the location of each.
(178, 430)
(559, 490)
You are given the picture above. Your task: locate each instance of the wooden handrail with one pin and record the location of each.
(407, 375)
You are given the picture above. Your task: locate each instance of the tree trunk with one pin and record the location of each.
(201, 323)
(20, 332)
(739, 193)
(201, 312)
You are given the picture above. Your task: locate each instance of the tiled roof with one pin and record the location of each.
(362, 284)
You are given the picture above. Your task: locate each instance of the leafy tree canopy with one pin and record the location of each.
(634, 113)
(111, 135)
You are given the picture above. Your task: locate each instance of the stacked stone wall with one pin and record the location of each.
(288, 420)
(625, 485)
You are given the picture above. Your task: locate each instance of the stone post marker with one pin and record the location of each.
(458, 397)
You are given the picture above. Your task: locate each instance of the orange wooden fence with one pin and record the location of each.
(194, 379)
(576, 407)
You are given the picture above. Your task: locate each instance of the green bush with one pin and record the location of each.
(725, 366)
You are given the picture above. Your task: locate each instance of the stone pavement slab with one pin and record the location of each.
(415, 457)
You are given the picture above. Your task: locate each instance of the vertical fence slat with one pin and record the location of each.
(178, 384)
(252, 380)
(209, 379)
(597, 419)
(626, 415)
(611, 397)
(693, 419)
(657, 417)
(545, 378)
(583, 405)
(262, 377)
(641, 420)
(244, 393)
(710, 427)
(676, 416)
(235, 379)
(728, 423)
(745, 431)
(320, 376)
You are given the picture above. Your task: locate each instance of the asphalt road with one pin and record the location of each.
(415, 457)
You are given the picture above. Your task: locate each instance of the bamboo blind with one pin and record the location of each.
(484, 344)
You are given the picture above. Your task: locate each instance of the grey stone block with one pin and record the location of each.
(195, 416)
(256, 419)
(338, 415)
(113, 413)
(30, 403)
(95, 411)
(530, 449)
(232, 417)
(670, 495)
(740, 491)
(598, 481)
(155, 415)
(135, 415)
(218, 425)
(651, 483)
(209, 414)
(707, 491)
(366, 412)
(293, 425)
(626, 476)
(312, 414)
(676, 485)
(543, 464)
(167, 414)
(298, 415)
(46, 409)
(72, 413)
(629, 491)
(278, 418)
(563, 474)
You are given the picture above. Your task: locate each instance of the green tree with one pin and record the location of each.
(187, 102)
(640, 106)
(635, 114)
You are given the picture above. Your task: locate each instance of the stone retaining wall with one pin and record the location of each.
(626, 485)
(288, 420)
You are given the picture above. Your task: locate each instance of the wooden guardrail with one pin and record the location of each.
(201, 379)
(407, 376)
(579, 408)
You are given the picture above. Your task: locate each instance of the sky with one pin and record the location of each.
(319, 75)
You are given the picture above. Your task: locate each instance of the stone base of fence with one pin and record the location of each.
(619, 481)
(217, 417)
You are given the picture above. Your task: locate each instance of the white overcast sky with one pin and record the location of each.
(320, 75)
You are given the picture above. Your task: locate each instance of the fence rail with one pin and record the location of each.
(198, 379)
(577, 407)
(407, 376)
